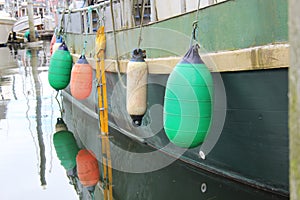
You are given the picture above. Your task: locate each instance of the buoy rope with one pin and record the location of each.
(62, 30)
(86, 31)
(92, 195)
(195, 25)
(84, 2)
(115, 44)
(59, 104)
(141, 23)
(62, 21)
(101, 17)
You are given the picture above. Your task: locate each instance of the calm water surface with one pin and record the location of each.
(29, 168)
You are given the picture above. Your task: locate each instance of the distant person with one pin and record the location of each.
(27, 35)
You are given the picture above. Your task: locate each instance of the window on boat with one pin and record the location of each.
(139, 9)
(169, 8)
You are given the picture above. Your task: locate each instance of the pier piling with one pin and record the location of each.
(294, 98)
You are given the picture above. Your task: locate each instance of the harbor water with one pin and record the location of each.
(29, 166)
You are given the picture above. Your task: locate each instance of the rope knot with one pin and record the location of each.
(195, 28)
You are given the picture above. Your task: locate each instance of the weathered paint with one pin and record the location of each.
(294, 99)
(261, 57)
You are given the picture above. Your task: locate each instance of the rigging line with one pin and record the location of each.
(198, 9)
(99, 18)
(195, 25)
(141, 23)
(115, 44)
(101, 15)
(67, 25)
(83, 4)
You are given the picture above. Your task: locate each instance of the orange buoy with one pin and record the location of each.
(81, 79)
(87, 168)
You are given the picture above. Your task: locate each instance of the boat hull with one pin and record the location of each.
(22, 24)
(6, 24)
(248, 143)
(227, 171)
(256, 121)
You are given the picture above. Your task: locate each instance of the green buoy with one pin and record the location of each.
(66, 147)
(60, 67)
(188, 101)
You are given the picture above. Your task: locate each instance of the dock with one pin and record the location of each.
(19, 37)
(45, 34)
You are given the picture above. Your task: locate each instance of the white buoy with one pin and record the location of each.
(137, 75)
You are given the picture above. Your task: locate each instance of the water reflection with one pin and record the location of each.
(8, 65)
(27, 111)
(33, 54)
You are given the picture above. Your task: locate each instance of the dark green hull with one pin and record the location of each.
(180, 180)
(250, 159)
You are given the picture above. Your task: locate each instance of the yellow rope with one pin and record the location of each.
(103, 114)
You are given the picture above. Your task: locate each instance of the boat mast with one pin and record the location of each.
(47, 7)
(30, 20)
(294, 98)
(18, 10)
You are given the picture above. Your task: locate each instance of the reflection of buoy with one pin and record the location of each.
(81, 79)
(87, 168)
(60, 68)
(65, 145)
(53, 41)
(137, 74)
(188, 101)
(58, 42)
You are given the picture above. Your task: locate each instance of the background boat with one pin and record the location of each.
(6, 24)
(22, 24)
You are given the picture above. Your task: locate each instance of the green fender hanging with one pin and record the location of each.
(60, 67)
(188, 101)
(65, 145)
